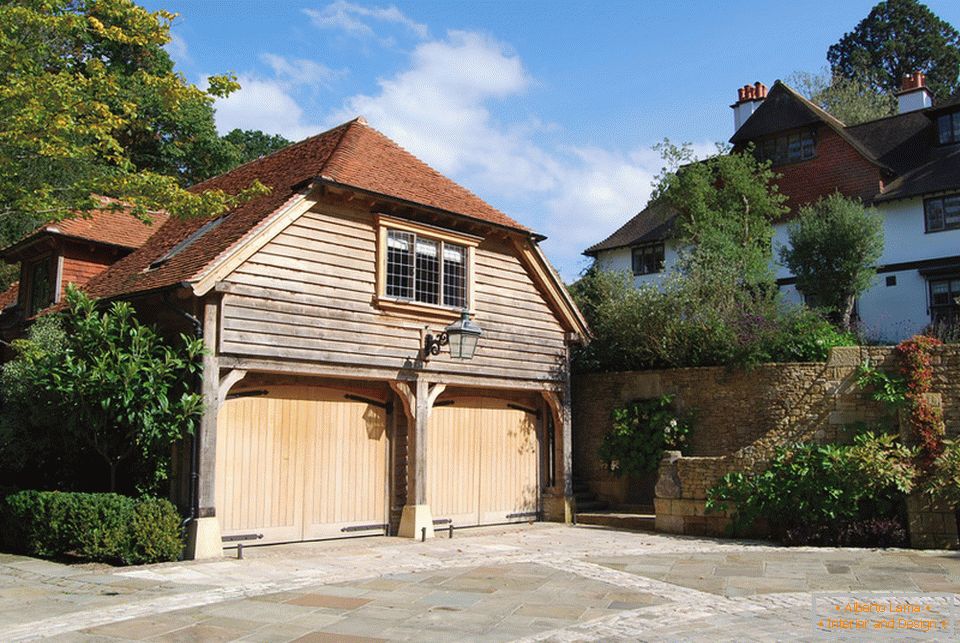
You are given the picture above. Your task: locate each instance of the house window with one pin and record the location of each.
(647, 259)
(41, 292)
(790, 148)
(948, 128)
(944, 294)
(425, 270)
(942, 213)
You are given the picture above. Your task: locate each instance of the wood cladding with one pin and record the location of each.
(482, 462)
(302, 462)
(310, 294)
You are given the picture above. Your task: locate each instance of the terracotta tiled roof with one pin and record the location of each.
(114, 227)
(106, 226)
(10, 295)
(353, 154)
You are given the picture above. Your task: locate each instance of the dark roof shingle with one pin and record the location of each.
(653, 223)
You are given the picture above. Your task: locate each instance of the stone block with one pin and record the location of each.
(669, 524)
(844, 356)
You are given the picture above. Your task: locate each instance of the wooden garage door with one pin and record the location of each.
(299, 463)
(482, 462)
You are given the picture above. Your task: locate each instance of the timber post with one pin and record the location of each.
(203, 536)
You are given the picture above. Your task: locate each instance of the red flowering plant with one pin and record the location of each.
(926, 420)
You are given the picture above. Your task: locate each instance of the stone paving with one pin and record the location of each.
(535, 583)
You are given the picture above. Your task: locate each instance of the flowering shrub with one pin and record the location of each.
(641, 432)
(925, 419)
(809, 493)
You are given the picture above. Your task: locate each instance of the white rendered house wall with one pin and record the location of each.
(891, 309)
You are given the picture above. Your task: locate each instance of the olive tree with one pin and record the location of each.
(834, 246)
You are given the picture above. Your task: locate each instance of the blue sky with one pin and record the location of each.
(548, 110)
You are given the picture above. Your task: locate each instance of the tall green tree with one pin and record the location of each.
(834, 246)
(852, 101)
(90, 104)
(113, 385)
(250, 145)
(726, 207)
(899, 37)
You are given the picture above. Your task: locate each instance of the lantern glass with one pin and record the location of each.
(462, 336)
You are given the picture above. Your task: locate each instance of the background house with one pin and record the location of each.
(907, 166)
(324, 416)
(71, 251)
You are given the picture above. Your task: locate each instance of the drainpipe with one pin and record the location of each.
(194, 451)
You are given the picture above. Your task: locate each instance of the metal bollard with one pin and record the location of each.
(423, 534)
(451, 530)
(239, 551)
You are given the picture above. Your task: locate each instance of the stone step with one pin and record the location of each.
(592, 505)
(618, 520)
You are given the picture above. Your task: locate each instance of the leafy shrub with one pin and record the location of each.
(694, 320)
(882, 387)
(103, 527)
(873, 532)
(154, 532)
(641, 431)
(944, 475)
(808, 491)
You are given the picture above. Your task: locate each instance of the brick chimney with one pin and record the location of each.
(913, 94)
(749, 98)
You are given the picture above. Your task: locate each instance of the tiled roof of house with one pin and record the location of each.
(353, 154)
(906, 144)
(903, 146)
(106, 226)
(783, 109)
(113, 227)
(653, 223)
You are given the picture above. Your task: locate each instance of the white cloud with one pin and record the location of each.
(264, 105)
(438, 109)
(350, 18)
(300, 71)
(441, 108)
(177, 48)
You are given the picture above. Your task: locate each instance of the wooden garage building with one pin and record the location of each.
(324, 418)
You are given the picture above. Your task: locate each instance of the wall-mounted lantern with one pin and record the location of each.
(461, 336)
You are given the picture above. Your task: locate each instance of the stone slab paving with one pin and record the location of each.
(536, 583)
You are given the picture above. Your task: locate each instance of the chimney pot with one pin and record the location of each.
(748, 100)
(913, 94)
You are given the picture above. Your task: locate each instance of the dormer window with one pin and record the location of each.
(948, 128)
(788, 148)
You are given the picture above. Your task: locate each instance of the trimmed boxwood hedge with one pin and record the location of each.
(104, 527)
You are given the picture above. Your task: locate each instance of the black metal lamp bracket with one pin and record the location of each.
(432, 344)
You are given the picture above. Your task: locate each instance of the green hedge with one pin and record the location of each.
(104, 527)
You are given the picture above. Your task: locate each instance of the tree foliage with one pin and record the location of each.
(899, 37)
(90, 104)
(114, 386)
(849, 100)
(250, 145)
(693, 320)
(726, 207)
(833, 248)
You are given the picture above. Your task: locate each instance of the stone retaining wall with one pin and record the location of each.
(739, 417)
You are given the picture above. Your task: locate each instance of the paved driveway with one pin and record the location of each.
(539, 582)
